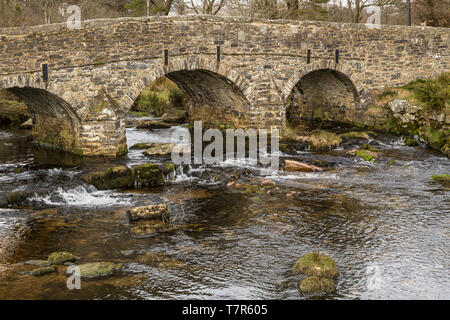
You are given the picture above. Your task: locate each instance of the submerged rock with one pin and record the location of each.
(147, 229)
(159, 149)
(291, 165)
(111, 178)
(152, 212)
(39, 263)
(315, 284)
(96, 269)
(17, 197)
(316, 264)
(41, 271)
(61, 257)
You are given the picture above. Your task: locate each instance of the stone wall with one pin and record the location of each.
(100, 69)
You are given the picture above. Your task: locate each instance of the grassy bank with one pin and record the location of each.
(12, 110)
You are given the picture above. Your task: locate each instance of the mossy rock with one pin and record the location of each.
(38, 263)
(159, 149)
(314, 284)
(324, 140)
(286, 148)
(42, 271)
(248, 188)
(112, 178)
(152, 124)
(441, 178)
(152, 174)
(61, 257)
(141, 146)
(354, 135)
(152, 212)
(17, 197)
(315, 264)
(97, 269)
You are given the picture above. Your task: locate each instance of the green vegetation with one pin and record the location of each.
(161, 97)
(368, 147)
(324, 140)
(315, 284)
(316, 264)
(111, 178)
(363, 154)
(442, 178)
(433, 94)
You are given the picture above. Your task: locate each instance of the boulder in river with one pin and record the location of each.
(151, 212)
(17, 197)
(152, 124)
(39, 263)
(111, 178)
(152, 174)
(315, 284)
(316, 264)
(61, 257)
(175, 116)
(96, 269)
(159, 149)
(41, 271)
(291, 165)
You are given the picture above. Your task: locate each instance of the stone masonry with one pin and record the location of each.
(244, 68)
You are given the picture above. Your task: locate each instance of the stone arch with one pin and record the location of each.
(205, 81)
(323, 92)
(55, 122)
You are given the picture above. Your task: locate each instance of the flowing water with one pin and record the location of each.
(387, 227)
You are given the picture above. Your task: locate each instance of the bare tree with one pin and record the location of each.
(206, 6)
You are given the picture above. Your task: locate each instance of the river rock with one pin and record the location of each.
(175, 116)
(112, 178)
(291, 165)
(152, 174)
(39, 263)
(151, 212)
(147, 229)
(141, 146)
(316, 264)
(404, 111)
(41, 271)
(96, 269)
(159, 149)
(17, 197)
(152, 124)
(315, 284)
(61, 257)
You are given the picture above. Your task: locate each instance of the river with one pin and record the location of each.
(387, 227)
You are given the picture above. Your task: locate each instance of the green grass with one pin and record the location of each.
(441, 178)
(316, 264)
(364, 155)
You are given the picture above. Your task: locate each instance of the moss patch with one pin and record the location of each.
(363, 154)
(315, 264)
(324, 140)
(112, 178)
(315, 284)
(441, 178)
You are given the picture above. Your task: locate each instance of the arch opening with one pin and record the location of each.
(322, 98)
(54, 123)
(202, 95)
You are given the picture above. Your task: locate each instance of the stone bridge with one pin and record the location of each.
(79, 84)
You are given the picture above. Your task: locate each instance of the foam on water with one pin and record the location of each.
(83, 196)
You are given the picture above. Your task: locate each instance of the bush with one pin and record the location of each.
(433, 94)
